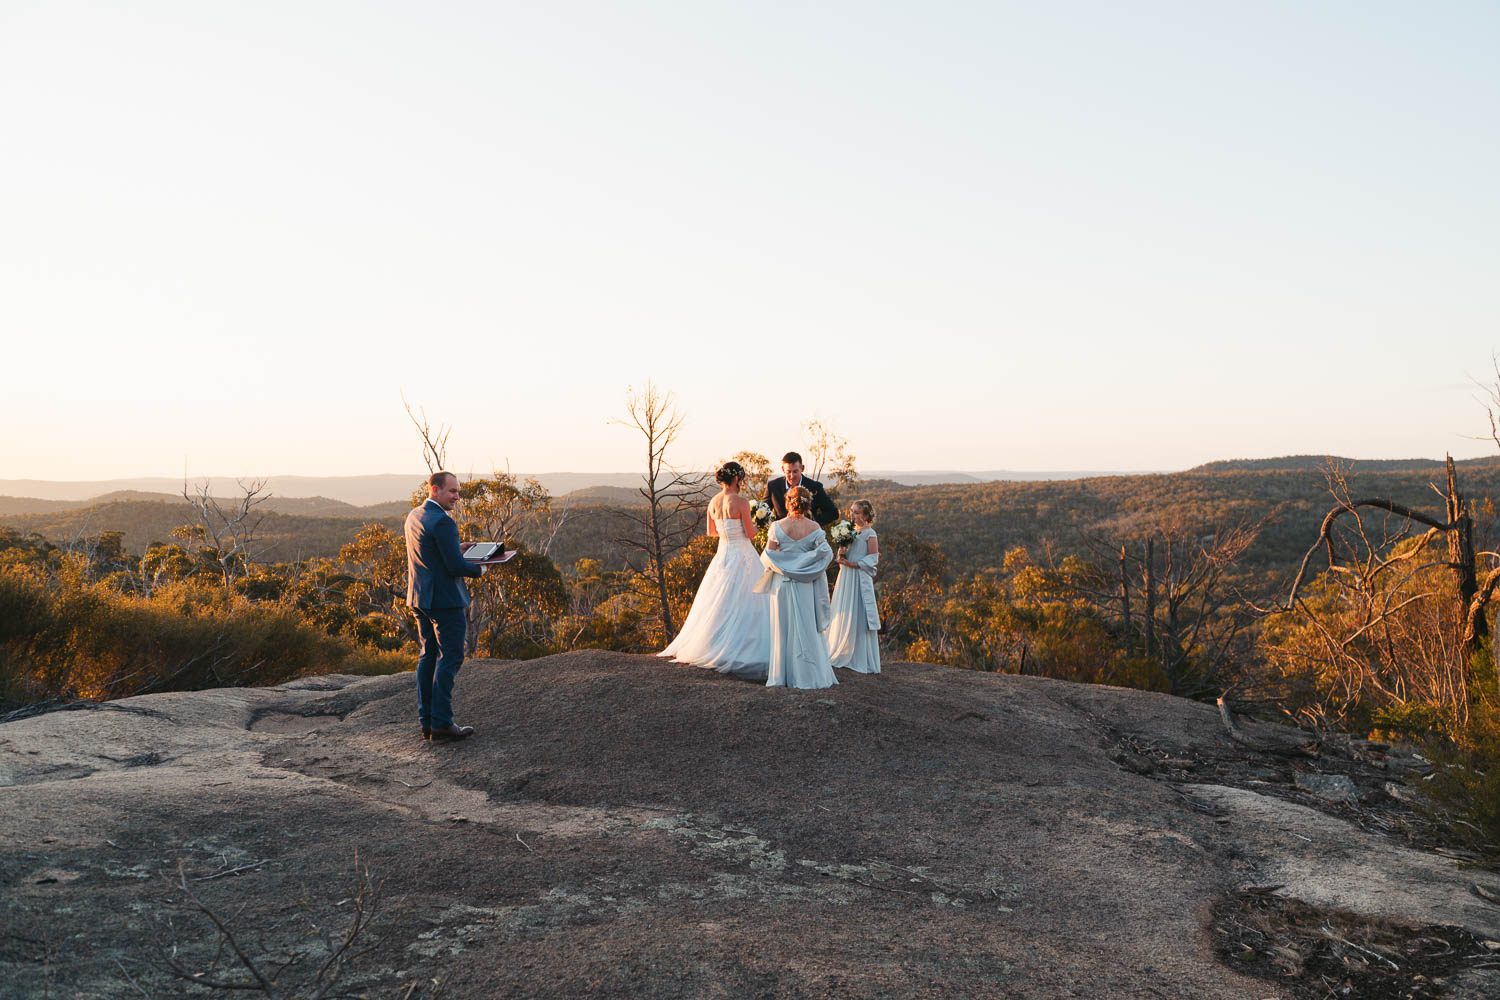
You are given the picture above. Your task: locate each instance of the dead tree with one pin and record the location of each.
(673, 499)
(434, 439)
(1458, 528)
(1395, 612)
(1188, 613)
(229, 528)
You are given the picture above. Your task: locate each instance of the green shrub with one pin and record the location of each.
(1464, 793)
(62, 640)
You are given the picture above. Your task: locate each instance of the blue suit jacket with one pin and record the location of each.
(435, 565)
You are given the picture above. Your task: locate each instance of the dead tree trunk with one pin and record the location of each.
(1125, 603)
(1461, 557)
(1150, 619)
(1172, 653)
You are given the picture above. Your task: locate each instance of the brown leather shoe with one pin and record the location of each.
(451, 733)
(426, 732)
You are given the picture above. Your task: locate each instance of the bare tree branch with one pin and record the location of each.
(230, 529)
(673, 499)
(434, 439)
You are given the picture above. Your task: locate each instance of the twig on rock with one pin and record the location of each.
(129, 979)
(1328, 932)
(232, 871)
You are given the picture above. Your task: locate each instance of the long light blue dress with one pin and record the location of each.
(854, 633)
(797, 582)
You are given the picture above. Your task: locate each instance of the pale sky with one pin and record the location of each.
(989, 235)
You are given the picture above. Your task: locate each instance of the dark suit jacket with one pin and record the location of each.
(824, 510)
(435, 565)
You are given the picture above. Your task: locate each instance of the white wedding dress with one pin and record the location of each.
(796, 580)
(729, 626)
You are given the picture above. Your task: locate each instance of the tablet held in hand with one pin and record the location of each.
(487, 553)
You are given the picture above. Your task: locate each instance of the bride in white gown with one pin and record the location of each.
(796, 558)
(729, 626)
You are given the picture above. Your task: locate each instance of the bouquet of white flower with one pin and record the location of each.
(842, 533)
(762, 513)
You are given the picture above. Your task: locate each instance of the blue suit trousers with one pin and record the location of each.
(442, 631)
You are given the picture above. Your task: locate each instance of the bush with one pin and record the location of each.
(1464, 793)
(62, 639)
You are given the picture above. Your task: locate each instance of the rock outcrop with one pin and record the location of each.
(625, 827)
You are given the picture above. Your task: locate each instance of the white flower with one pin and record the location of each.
(842, 534)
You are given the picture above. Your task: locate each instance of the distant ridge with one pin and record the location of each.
(1306, 463)
(299, 506)
(344, 496)
(975, 523)
(364, 491)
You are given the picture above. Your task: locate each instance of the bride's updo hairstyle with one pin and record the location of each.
(729, 473)
(866, 508)
(798, 500)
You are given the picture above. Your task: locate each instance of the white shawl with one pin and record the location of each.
(865, 581)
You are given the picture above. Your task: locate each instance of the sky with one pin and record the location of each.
(989, 235)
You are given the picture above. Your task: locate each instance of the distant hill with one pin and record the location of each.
(304, 506)
(355, 490)
(615, 495)
(33, 505)
(974, 523)
(282, 536)
(364, 491)
(1296, 463)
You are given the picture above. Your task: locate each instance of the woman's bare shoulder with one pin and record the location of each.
(797, 532)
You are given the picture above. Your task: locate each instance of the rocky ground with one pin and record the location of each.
(624, 827)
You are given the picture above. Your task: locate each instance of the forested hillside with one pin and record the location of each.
(974, 524)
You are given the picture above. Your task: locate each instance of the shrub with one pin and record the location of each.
(62, 640)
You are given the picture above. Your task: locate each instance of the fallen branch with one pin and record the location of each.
(232, 871)
(1328, 932)
(1238, 735)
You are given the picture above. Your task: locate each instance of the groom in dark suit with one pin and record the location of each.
(824, 511)
(438, 596)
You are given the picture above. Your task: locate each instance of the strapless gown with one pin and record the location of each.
(729, 626)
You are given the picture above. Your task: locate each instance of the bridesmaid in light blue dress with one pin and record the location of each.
(796, 560)
(854, 633)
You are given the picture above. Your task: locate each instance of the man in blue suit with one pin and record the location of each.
(438, 596)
